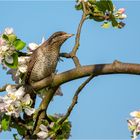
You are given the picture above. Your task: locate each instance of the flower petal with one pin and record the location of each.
(135, 114)
(10, 89)
(43, 128)
(29, 111)
(9, 59)
(20, 92)
(33, 46)
(8, 30)
(26, 100)
(42, 134)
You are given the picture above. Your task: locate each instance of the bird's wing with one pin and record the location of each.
(32, 61)
(31, 65)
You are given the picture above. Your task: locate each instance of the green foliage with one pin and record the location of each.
(101, 11)
(21, 130)
(59, 131)
(104, 5)
(19, 44)
(12, 38)
(5, 122)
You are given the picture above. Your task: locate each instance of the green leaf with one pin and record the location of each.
(78, 7)
(104, 5)
(12, 38)
(19, 44)
(21, 130)
(5, 122)
(92, 1)
(15, 62)
(5, 37)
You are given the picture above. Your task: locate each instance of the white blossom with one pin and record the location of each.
(2, 41)
(33, 46)
(29, 111)
(43, 133)
(26, 100)
(135, 114)
(15, 101)
(134, 124)
(122, 16)
(8, 30)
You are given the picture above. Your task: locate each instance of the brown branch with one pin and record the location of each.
(77, 38)
(41, 114)
(75, 99)
(3, 88)
(72, 54)
(99, 69)
(66, 55)
(77, 41)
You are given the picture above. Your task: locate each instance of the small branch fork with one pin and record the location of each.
(72, 54)
(75, 99)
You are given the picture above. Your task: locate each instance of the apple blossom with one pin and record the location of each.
(121, 11)
(134, 124)
(135, 114)
(29, 111)
(22, 64)
(33, 46)
(43, 133)
(2, 41)
(15, 101)
(8, 30)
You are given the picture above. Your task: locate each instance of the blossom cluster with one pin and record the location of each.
(120, 14)
(6, 48)
(134, 124)
(15, 101)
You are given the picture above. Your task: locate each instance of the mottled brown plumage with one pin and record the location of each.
(44, 59)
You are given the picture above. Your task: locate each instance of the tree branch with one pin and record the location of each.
(75, 99)
(99, 69)
(77, 41)
(3, 88)
(41, 114)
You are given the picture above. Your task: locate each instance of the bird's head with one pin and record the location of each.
(59, 38)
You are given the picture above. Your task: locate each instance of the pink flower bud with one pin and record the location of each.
(121, 11)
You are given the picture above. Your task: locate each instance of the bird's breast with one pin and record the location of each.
(45, 65)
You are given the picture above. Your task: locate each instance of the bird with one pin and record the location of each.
(44, 59)
(42, 64)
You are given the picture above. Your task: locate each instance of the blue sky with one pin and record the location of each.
(104, 104)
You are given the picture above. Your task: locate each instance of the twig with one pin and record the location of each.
(66, 55)
(75, 99)
(3, 88)
(77, 41)
(72, 54)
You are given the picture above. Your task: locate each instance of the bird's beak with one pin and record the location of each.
(68, 35)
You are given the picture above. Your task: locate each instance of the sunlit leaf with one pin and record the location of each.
(19, 44)
(5, 122)
(12, 38)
